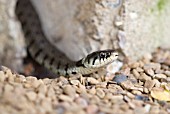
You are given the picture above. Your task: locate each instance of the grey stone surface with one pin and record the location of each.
(11, 40)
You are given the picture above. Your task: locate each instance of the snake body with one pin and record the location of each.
(48, 55)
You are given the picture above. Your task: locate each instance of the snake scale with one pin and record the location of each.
(48, 55)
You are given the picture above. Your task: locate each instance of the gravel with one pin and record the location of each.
(127, 91)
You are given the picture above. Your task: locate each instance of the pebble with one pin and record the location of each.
(31, 95)
(92, 91)
(75, 82)
(101, 85)
(2, 76)
(167, 73)
(69, 90)
(42, 89)
(50, 92)
(8, 88)
(136, 92)
(92, 109)
(149, 84)
(65, 98)
(136, 73)
(144, 77)
(160, 76)
(143, 98)
(100, 93)
(120, 78)
(92, 80)
(127, 85)
(130, 95)
(81, 102)
(149, 72)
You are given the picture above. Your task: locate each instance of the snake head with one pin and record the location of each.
(100, 59)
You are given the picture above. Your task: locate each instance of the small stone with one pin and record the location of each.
(157, 83)
(127, 85)
(154, 110)
(50, 92)
(92, 90)
(149, 84)
(65, 98)
(160, 76)
(81, 89)
(27, 85)
(100, 93)
(167, 73)
(143, 98)
(136, 73)
(20, 79)
(116, 98)
(149, 72)
(46, 105)
(75, 82)
(42, 89)
(144, 77)
(101, 85)
(31, 79)
(120, 78)
(2, 76)
(136, 92)
(134, 65)
(130, 95)
(8, 88)
(69, 90)
(139, 69)
(92, 109)
(81, 102)
(31, 95)
(92, 80)
(147, 108)
(145, 90)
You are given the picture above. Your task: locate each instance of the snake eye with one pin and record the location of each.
(108, 54)
(102, 55)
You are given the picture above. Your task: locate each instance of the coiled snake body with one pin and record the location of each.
(47, 54)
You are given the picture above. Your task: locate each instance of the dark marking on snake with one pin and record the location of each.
(66, 68)
(94, 60)
(44, 59)
(38, 53)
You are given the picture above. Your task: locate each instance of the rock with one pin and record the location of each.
(81, 102)
(75, 82)
(65, 98)
(31, 95)
(92, 91)
(120, 78)
(167, 73)
(127, 85)
(149, 84)
(8, 88)
(160, 76)
(150, 72)
(42, 89)
(69, 90)
(144, 77)
(136, 92)
(92, 80)
(100, 93)
(92, 109)
(143, 98)
(136, 73)
(2, 76)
